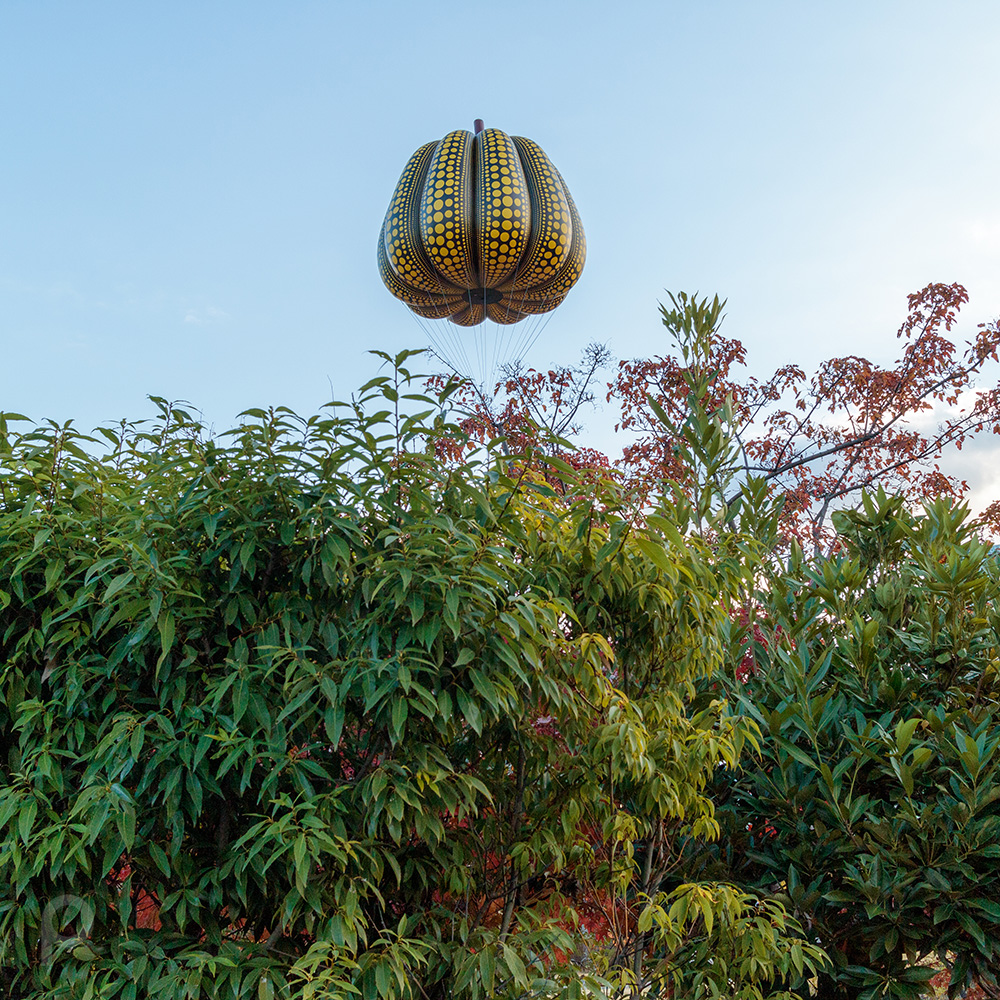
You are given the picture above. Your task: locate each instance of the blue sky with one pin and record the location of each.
(190, 193)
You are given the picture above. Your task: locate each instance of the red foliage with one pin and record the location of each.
(145, 906)
(748, 661)
(851, 426)
(817, 439)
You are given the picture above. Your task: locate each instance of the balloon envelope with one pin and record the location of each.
(481, 226)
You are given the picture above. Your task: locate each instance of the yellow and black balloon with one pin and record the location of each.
(481, 226)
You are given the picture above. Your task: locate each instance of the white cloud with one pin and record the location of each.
(984, 234)
(206, 316)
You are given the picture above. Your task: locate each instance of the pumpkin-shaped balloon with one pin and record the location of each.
(481, 225)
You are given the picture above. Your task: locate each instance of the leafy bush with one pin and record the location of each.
(874, 810)
(306, 710)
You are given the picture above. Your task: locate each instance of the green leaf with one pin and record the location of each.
(485, 688)
(515, 966)
(118, 584)
(26, 819)
(333, 723)
(400, 708)
(166, 627)
(971, 927)
(906, 778)
(668, 528)
(241, 698)
(656, 553)
(126, 827)
(904, 733)
(661, 414)
(793, 751)
(988, 907)
(159, 857)
(470, 710)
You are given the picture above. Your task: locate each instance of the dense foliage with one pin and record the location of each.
(818, 441)
(310, 710)
(372, 704)
(870, 664)
(874, 808)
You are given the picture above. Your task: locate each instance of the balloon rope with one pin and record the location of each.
(503, 335)
(535, 333)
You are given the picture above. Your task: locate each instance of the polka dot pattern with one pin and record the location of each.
(469, 315)
(446, 214)
(503, 211)
(572, 264)
(411, 296)
(532, 307)
(441, 309)
(400, 234)
(481, 225)
(504, 314)
(551, 225)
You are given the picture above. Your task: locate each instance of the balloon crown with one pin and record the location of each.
(481, 225)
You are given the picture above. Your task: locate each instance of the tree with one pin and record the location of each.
(871, 668)
(531, 411)
(874, 809)
(307, 710)
(816, 441)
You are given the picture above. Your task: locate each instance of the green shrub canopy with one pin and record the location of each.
(305, 710)
(874, 808)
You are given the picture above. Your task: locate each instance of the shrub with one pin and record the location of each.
(306, 710)
(874, 809)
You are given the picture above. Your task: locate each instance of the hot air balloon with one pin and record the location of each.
(481, 226)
